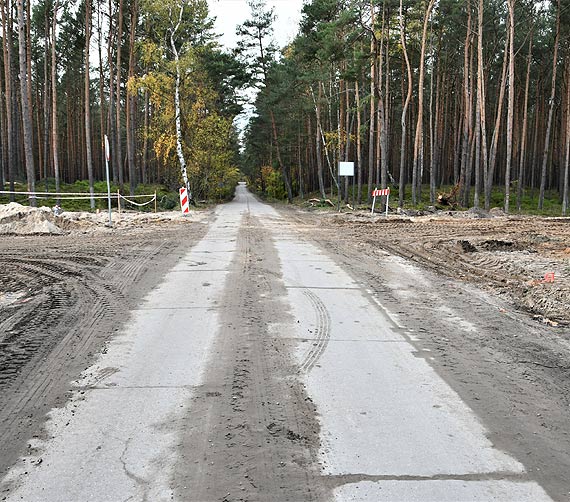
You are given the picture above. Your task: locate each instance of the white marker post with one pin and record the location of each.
(344, 169)
(107, 157)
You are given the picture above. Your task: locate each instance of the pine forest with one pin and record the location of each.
(465, 102)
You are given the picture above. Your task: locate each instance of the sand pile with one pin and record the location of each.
(16, 219)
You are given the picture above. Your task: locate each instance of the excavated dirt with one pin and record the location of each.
(513, 257)
(63, 296)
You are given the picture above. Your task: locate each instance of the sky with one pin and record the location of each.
(230, 13)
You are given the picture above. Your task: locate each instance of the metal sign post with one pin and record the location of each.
(344, 169)
(107, 157)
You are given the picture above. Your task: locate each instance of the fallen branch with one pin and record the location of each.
(321, 202)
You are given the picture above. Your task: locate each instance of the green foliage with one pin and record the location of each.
(274, 185)
(209, 100)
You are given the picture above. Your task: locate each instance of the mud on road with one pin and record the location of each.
(485, 319)
(61, 299)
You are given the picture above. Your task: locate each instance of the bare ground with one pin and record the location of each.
(61, 299)
(484, 317)
(497, 332)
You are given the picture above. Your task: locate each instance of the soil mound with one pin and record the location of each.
(16, 219)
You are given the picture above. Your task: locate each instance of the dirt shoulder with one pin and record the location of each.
(472, 292)
(507, 256)
(62, 297)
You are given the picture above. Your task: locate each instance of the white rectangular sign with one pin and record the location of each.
(346, 169)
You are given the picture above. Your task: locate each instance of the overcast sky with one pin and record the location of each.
(230, 13)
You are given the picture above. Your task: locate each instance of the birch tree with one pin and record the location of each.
(175, 26)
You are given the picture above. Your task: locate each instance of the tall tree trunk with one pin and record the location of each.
(29, 81)
(465, 160)
(88, 153)
(3, 137)
(144, 167)
(119, 140)
(54, 127)
(432, 139)
(101, 78)
(511, 102)
(131, 105)
(382, 128)
(300, 162)
(498, 120)
(348, 133)
(481, 100)
(111, 114)
(524, 133)
(404, 109)
(551, 105)
(358, 143)
(25, 81)
(46, 99)
(9, 91)
(318, 139)
(567, 145)
(372, 102)
(419, 137)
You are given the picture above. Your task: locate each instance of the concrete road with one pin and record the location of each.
(261, 370)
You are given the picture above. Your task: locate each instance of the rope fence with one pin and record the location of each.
(83, 196)
(139, 196)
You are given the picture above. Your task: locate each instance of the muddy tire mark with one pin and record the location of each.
(322, 333)
(258, 435)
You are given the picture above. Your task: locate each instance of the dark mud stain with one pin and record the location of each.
(259, 439)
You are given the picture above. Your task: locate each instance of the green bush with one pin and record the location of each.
(275, 186)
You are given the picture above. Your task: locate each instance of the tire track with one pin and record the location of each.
(257, 435)
(73, 294)
(322, 332)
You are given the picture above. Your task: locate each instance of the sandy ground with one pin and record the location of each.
(509, 256)
(490, 325)
(499, 332)
(67, 284)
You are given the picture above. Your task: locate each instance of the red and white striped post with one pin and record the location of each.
(184, 201)
(379, 193)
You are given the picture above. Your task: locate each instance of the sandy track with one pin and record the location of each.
(61, 299)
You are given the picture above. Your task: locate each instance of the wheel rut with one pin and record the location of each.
(70, 295)
(258, 437)
(322, 333)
